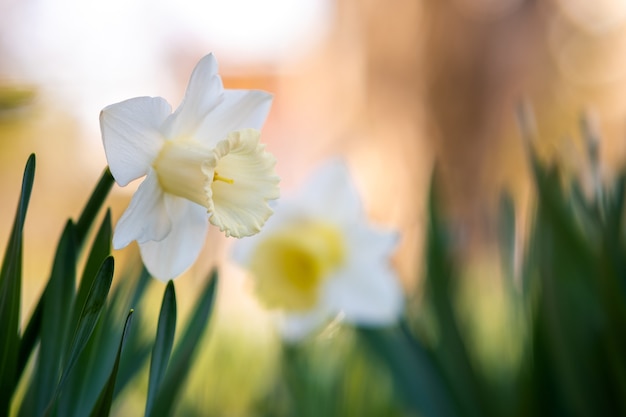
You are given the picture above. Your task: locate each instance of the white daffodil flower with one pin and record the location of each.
(317, 259)
(203, 158)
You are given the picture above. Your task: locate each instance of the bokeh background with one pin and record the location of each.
(399, 88)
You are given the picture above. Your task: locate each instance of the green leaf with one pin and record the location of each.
(29, 337)
(92, 307)
(162, 345)
(466, 383)
(93, 205)
(138, 348)
(10, 294)
(58, 299)
(95, 363)
(100, 250)
(506, 231)
(416, 376)
(85, 220)
(105, 399)
(183, 354)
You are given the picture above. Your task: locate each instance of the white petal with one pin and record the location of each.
(367, 290)
(131, 135)
(146, 217)
(295, 327)
(204, 93)
(241, 208)
(240, 109)
(168, 258)
(331, 194)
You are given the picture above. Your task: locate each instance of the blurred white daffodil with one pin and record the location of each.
(203, 158)
(317, 259)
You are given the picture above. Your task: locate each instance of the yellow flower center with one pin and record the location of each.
(234, 180)
(181, 169)
(291, 264)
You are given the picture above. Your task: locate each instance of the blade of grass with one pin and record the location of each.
(10, 294)
(105, 399)
(162, 345)
(181, 361)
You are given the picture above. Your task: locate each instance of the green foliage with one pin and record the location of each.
(10, 295)
(577, 300)
(170, 387)
(330, 377)
(571, 290)
(565, 284)
(82, 350)
(162, 345)
(105, 399)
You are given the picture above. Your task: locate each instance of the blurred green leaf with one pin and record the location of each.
(507, 234)
(556, 207)
(15, 96)
(10, 294)
(415, 373)
(466, 384)
(162, 345)
(102, 407)
(184, 352)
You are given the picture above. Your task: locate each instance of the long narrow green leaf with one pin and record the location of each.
(10, 294)
(85, 221)
(88, 215)
(414, 371)
(467, 385)
(29, 337)
(105, 400)
(100, 250)
(92, 307)
(74, 387)
(183, 354)
(58, 299)
(162, 345)
(138, 348)
(95, 363)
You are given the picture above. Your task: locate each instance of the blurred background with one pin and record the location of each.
(398, 87)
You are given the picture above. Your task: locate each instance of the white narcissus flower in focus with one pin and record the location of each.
(317, 259)
(201, 163)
